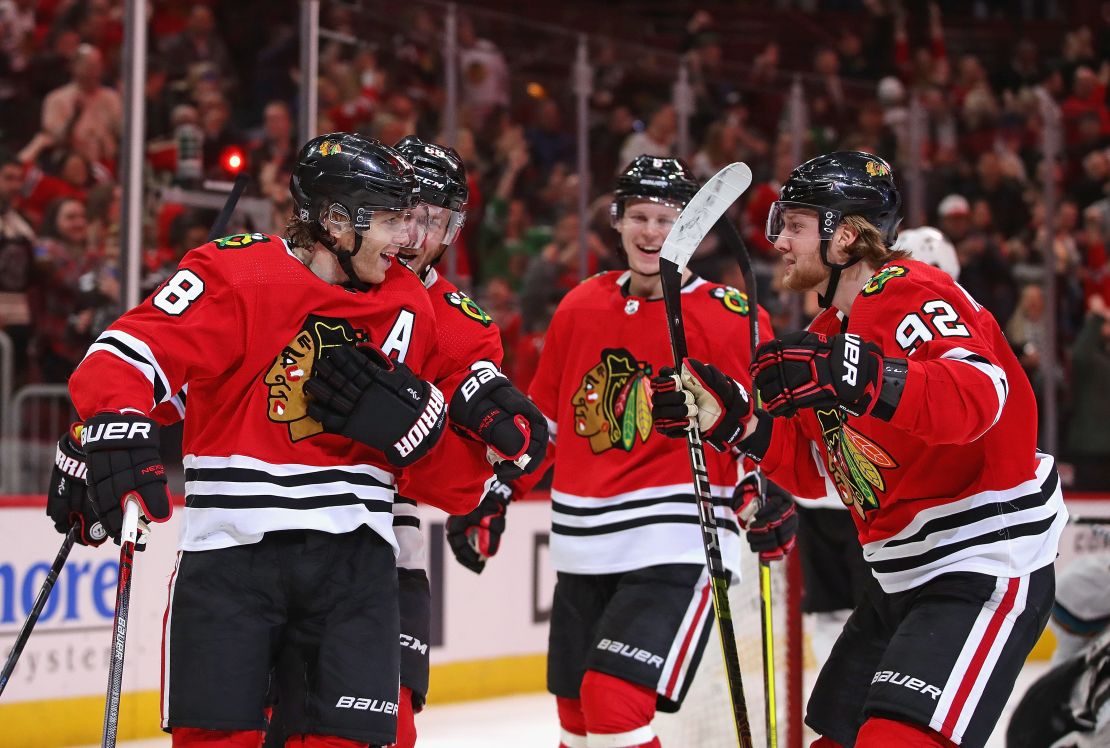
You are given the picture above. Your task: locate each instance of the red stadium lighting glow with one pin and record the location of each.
(232, 160)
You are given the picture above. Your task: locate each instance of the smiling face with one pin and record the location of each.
(435, 239)
(388, 233)
(643, 227)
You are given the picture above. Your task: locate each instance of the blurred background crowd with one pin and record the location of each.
(221, 93)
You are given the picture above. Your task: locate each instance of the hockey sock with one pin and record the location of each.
(193, 736)
(618, 713)
(406, 720)
(878, 732)
(572, 723)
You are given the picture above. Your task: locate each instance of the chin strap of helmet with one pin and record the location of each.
(342, 255)
(826, 299)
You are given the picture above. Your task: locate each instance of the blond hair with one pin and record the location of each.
(869, 245)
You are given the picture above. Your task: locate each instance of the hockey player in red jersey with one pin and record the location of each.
(307, 361)
(905, 397)
(630, 617)
(470, 354)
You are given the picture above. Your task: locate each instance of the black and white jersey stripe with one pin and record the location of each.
(657, 525)
(996, 374)
(1005, 533)
(234, 500)
(412, 553)
(138, 354)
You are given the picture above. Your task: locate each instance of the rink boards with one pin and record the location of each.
(489, 632)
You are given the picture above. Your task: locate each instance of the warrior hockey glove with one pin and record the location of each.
(704, 396)
(67, 499)
(123, 463)
(363, 395)
(487, 405)
(475, 537)
(772, 527)
(808, 370)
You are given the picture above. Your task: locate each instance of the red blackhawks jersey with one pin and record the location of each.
(460, 474)
(954, 481)
(242, 322)
(622, 496)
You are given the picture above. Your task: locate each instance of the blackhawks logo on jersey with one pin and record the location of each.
(468, 307)
(854, 461)
(286, 377)
(238, 241)
(732, 300)
(879, 280)
(612, 405)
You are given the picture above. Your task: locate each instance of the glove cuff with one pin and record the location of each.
(757, 444)
(893, 383)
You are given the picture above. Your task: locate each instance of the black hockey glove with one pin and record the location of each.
(808, 370)
(475, 537)
(365, 396)
(704, 395)
(487, 405)
(67, 500)
(771, 528)
(123, 463)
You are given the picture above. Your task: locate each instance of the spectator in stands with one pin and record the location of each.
(485, 74)
(1088, 439)
(1026, 332)
(657, 139)
(62, 257)
(549, 143)
(1004, 195)
(17, 240)
(219, 134)
(198, 44)
(84, 115)
(277, 146)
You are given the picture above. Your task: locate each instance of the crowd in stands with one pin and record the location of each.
(223, 77)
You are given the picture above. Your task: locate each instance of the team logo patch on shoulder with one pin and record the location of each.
(732, 299)
(612, 405)
(468, 307)
(238, 241)
(291, 368)
(879, 280)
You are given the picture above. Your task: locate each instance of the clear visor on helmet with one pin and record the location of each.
(619, 212)
(444, 224)
(792, 220)
(379, 226)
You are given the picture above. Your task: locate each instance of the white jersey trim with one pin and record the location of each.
(996, 374)
(989, 542)
(135, 352)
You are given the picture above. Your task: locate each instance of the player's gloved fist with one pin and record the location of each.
(123, 463)
(475, 537)
(67, 499)
(487, 405)
(364, 395)
(704, 395)
(808, 370)
(772, 527)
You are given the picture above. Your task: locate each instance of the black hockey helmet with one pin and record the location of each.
(656, 178)
(839, 184)
(360, 174)
(843, 183)
(439, 170)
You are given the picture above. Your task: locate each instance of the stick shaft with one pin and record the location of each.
(36, 610)
(119, 623)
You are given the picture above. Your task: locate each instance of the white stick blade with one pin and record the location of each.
(703, 210)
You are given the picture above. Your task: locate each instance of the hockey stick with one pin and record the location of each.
(693, 224)
(220, 225)
(735, 244)
(128, 537)
(36, 610)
